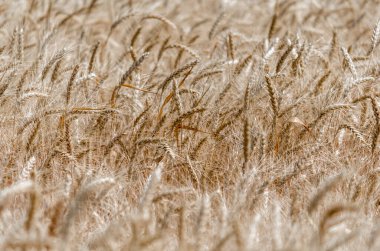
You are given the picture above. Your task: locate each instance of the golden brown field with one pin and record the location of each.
(189, 125)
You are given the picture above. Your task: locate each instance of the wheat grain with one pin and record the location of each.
(70, 84)
(176, 73)
(215, 25)
(350, 63)
(375, 38)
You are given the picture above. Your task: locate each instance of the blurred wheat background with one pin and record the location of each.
(189, 125)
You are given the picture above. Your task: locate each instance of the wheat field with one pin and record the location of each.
(189, 125)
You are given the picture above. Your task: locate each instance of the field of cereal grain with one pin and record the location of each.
(189, 125)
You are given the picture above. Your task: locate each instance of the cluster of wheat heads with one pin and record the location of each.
(189, 125)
